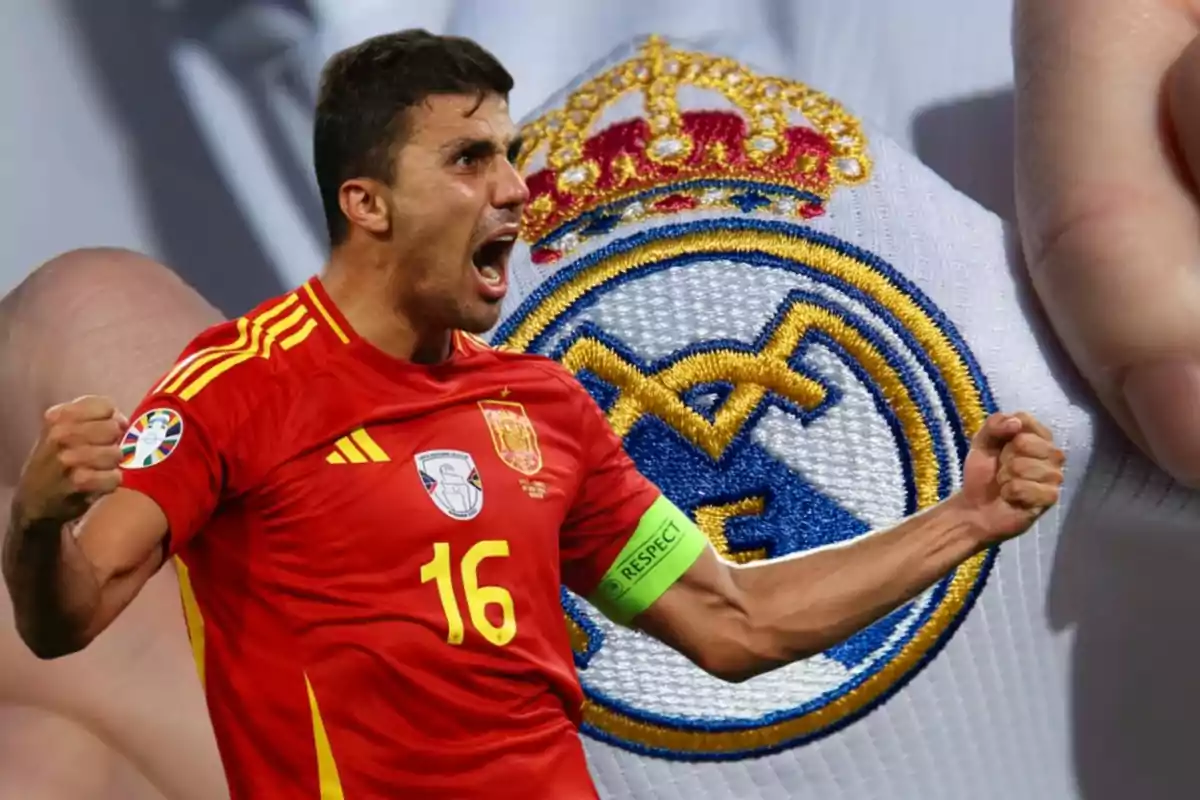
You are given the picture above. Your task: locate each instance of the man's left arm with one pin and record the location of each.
(734, 621)
(739, 621)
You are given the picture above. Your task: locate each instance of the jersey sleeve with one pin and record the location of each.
(182, 449)
(623, 543)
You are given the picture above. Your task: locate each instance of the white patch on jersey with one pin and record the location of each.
(452, 481)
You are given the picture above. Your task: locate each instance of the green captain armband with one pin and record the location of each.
(665, 544)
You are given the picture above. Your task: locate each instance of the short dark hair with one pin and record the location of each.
(364, 95)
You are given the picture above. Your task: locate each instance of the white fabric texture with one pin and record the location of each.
(923, 72)
(1040, 693)
(221, 113)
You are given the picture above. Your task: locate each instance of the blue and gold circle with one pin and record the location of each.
(714, 407)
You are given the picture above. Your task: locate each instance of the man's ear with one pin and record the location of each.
(365, 204)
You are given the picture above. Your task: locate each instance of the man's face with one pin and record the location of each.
(457, 201)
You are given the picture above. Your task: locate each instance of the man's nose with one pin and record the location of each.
(511, 191)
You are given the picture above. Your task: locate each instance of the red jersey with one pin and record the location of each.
(371, 552)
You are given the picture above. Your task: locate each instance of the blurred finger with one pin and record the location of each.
(96, 457)
(1030, 469)
(96, 432)
(1183, 89)
(1033, 425)
(1031, 445)
(94, 481)
(89, 407)
(1163, 393)
(1029, 494)
(995, 432)
(1109, 224)
(102, 432)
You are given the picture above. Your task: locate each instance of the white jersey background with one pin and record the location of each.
(181, 126)
(1071, 675)
(1067, 679)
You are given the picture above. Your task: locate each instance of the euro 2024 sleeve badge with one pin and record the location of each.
(151, 438)
(787, 389)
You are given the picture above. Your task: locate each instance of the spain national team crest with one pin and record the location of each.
(151, 438)
(513, 435)
(788, 389)
(452, 481)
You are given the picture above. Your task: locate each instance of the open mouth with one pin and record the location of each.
(491, 259)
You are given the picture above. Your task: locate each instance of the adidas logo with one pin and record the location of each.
(357, 448)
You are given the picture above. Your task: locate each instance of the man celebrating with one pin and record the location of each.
(359, 634)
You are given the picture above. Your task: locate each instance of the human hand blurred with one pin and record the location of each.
(75, 460)
(1108, 153)
(127, 714)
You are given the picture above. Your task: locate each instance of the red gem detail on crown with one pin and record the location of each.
(719, 142)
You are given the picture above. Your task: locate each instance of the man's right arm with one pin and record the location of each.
(100, 504)
(69, 581)
(91, 309)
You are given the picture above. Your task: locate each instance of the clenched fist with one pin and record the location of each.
(1013, 473)
(76, 460)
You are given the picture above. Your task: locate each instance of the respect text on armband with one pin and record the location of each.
(650, 553)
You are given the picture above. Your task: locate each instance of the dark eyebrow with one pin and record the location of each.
(480, 148)
(471, 146)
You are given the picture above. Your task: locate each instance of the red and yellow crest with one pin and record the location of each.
(513, 435)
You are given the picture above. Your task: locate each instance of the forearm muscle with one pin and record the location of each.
(803, 605)
(55, 592)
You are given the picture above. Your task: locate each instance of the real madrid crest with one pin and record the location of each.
(787, 389)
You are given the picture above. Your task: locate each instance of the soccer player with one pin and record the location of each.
(372, 511)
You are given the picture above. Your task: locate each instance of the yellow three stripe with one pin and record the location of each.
(374, 451)
(259, 347)
(366, 450)
(284, 324)
(351, 452)
(188, 366)
(226, 362)
(300, 335)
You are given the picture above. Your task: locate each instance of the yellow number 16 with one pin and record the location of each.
(478, 597)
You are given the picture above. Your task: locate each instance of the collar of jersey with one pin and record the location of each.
(340, 329)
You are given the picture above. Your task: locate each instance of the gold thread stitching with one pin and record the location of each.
(967, 400)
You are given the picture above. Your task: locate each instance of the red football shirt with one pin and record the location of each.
(371, 553)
